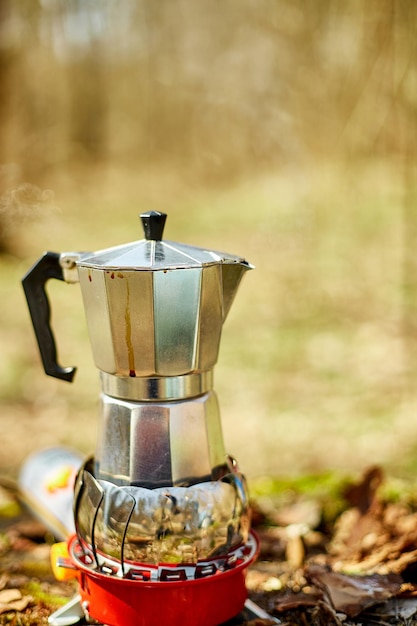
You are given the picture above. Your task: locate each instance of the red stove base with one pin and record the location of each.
(184, 604)
(208, 601)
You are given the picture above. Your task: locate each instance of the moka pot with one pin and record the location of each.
(160, 509)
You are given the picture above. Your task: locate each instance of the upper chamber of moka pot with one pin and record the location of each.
(156, 308)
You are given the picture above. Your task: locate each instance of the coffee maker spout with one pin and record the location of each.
(232, 274)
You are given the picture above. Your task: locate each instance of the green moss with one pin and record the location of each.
(326, 488)
(41, 595)
(328, 484)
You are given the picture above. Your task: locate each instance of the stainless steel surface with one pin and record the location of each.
(68, 262)
(150, 255)
(125, 526)
(160, 443)
(155, 308)
(157, 389)
(157, 323)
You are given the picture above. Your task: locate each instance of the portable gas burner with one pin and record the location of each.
(161, 512)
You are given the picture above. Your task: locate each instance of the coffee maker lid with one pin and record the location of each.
(153, 254)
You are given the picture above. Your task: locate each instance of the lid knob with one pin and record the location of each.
(153, 223)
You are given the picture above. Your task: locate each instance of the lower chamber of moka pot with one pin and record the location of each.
(207, 601)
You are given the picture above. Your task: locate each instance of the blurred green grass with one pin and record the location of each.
(317, 362)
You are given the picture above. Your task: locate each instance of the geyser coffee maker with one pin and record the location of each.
(161, 513)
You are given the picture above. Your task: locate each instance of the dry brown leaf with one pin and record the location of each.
(18, 605)
(382, 562)
(373, 537)
(12, 600)
(363, 495)
(290, 600)
(375, 544)
(9, 595)
(353, 594)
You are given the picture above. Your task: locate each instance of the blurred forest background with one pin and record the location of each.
(281, 130)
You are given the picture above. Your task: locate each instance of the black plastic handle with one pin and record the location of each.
(153, 223)
(34, 281)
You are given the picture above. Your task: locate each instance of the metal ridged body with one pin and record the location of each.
(157, 323)
(160, 443)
